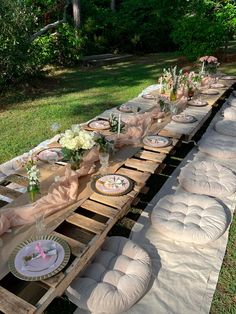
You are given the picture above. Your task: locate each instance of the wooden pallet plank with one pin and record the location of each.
(54, 281)
(142, 165)
(77, 248)
(151, 156)
(15, 178)
(167, 133)
(5, 191)
(100, 209)
(10, 303)
(137, 176)
(86, 223)
(115, 201)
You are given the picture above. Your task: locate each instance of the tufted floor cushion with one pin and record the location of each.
(218, 145)
(230, 113)
(207, 177)
(226, 127)
(232, 101)
(116, 279)
(189, 218)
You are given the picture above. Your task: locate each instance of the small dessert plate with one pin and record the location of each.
(157, 141)
(197, 103)
(184, 118)
(99, 125)
(112, 184)
(210, 92)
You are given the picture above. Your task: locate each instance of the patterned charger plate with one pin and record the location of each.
(157, 141)
(99, 125)
(217, 85)
(26, 263)
(125, 108)
(197, 103)
(228, 77)
(210, 92)
(112, 184)
(48, 154)
(149, 96)
(184, 118)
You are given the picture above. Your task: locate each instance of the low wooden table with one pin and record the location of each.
(84, 225)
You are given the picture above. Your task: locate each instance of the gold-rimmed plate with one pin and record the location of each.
(99, 125)
(126, 109)
(27, 264)
(112, 184)
(47, 154)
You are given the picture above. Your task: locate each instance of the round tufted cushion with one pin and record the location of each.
(230, 113)
(190, 218)
(218, 145)
(116, 279)
(226, 127)
(232, 101)
(207, 177)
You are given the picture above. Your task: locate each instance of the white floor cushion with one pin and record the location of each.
(209, 178)
(217, 145)
(116, 279)
(226, 127)
(230, 113)
(189, 218)
(232, 101)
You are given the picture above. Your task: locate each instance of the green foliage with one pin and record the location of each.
(207, 26)
(17, 58)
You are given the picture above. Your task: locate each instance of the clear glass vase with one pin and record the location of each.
(75, 165)
(33, 190)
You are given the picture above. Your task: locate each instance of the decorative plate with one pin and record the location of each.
(197, 103)
(38, 259)
(184, 118)
(112, 184)
(50, 153)
(99, 125)
(157, 141)
(217, 85)
(149, 96)
(210, 92)
(125, 108)
(228, 77)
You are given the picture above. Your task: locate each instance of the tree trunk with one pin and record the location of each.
(113, 5)
(76, 13)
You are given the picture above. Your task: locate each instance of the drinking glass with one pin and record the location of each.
(39, 224)
(104, 159)
(52, 158)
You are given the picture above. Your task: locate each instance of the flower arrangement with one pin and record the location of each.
(75, 142)
(209, 64)
(170, 81)
(33, 178)
(104, 145)
(115, 124)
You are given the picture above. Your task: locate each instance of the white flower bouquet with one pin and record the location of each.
(75, 142)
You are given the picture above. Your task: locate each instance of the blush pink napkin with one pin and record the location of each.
(61, 194)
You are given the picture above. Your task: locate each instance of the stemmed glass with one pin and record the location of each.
(39, 224)
(52, 158)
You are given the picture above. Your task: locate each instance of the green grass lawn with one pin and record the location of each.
(69, 96)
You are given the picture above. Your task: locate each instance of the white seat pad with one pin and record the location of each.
(116, 279)
(230, 113)
(232, 101)
(226, 127)
(207, 177)
(189, 218)
(218, 145)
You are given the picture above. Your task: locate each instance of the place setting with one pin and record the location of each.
(39, 258)
(157, 141)
(112, 184)
(99, 124)
(197, 103)
(209, 91)
(184, 118)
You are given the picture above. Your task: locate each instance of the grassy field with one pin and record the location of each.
(75, 95)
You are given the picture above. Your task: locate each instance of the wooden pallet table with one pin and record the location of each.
(83, 225)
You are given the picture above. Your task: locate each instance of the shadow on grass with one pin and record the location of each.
(76, 80)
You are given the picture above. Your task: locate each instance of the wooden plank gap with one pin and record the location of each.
(86, 223)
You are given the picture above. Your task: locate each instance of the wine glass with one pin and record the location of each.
(52, 158)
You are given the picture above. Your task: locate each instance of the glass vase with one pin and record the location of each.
(33, 190)
(75, 165)
(173, 95)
